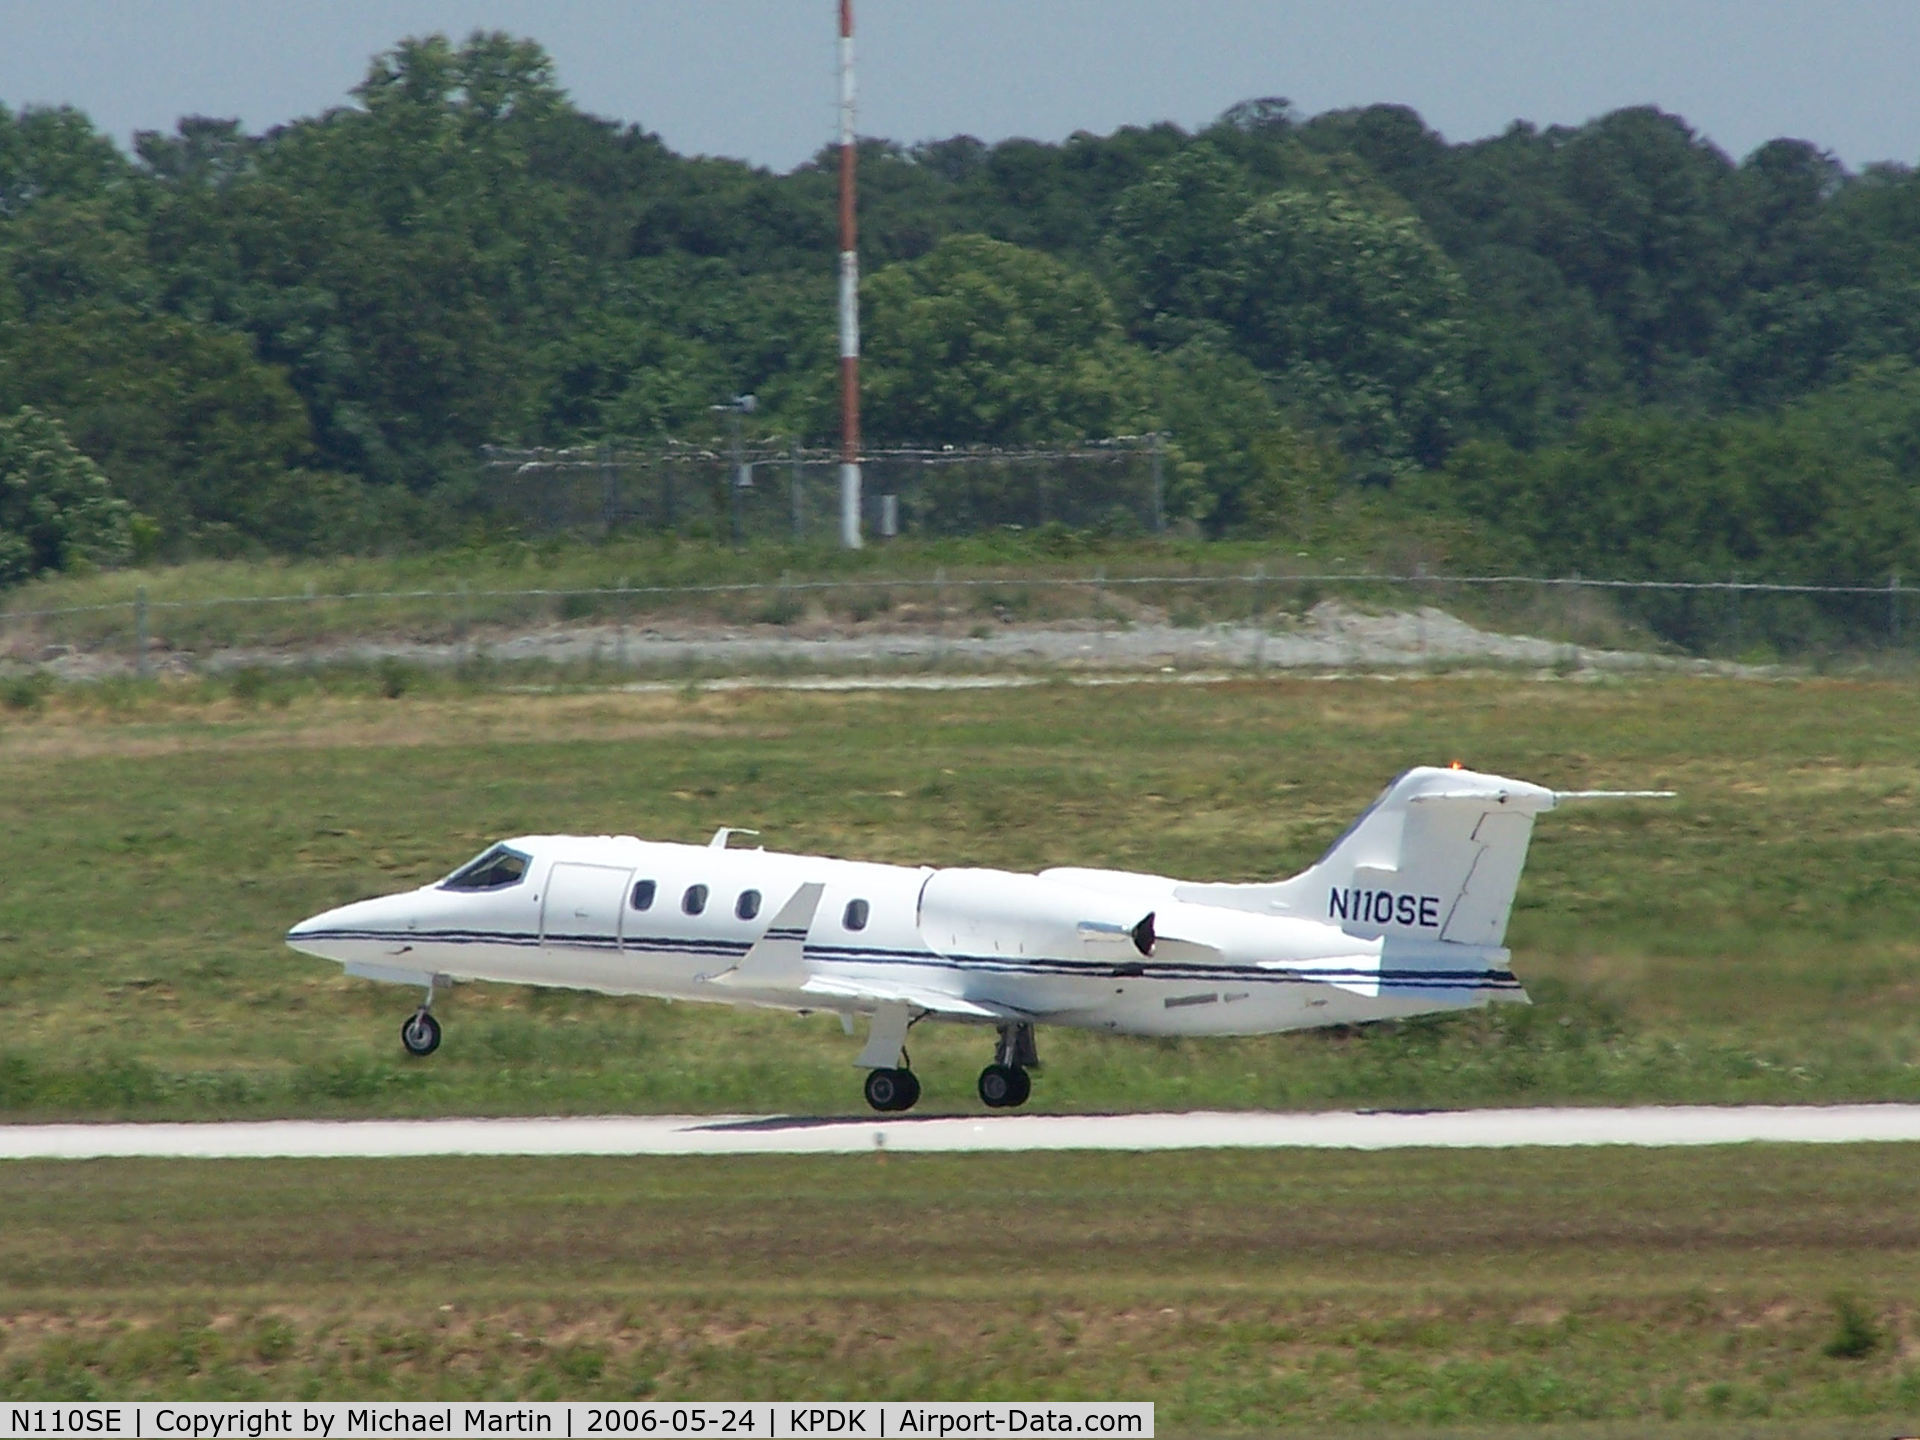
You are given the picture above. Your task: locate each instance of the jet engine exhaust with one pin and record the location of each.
(1143, 936)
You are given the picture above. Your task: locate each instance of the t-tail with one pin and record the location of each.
(1437, 857)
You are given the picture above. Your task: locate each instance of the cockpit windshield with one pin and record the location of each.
(495, 870)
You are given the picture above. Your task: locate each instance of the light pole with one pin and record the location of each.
(849, 300)
(742, 477)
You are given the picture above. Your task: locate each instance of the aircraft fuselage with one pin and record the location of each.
(629, 917)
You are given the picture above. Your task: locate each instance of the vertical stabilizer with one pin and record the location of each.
(1437, 856)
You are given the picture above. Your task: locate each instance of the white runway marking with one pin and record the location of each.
(799, 1135)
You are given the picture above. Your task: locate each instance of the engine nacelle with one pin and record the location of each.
(996, 912)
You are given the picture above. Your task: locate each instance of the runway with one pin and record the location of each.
(1652, 1126)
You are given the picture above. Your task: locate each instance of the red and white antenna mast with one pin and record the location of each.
(849, 301)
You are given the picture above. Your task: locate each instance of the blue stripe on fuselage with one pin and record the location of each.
(1305, 973)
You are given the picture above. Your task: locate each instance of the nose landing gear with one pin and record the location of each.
(421, 1032)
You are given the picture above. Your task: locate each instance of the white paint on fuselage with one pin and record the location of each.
(570, 922)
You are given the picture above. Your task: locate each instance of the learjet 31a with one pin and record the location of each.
(1404, 915)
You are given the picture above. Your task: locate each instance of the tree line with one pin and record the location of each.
(1608, 347)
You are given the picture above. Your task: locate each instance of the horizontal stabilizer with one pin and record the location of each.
(1530, 801)
(777, 960)
(1614, 794)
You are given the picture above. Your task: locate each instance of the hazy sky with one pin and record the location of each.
(754, 78)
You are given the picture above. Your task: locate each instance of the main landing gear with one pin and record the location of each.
(891, 1083)
(894, 1089)
(1005, 1083)
(892, 1086)
(421, 1032)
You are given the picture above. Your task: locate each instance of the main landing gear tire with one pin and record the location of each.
(890, 1090)
(1003, 1087)
(421, 1033)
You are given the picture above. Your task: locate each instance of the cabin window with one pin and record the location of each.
(695, 900)
(748, 905)
(495, 870)
(643, 894)
(855, 915)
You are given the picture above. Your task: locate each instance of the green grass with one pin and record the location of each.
(996, 579)
(1758, 939)
(1753, 940)
(1611, 1292)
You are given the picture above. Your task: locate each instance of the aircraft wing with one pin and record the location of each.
(893, 992)
(776, 960)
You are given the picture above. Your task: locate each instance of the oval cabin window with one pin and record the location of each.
(643, 895)
(748, 905)
(695, 900)
(855, 917)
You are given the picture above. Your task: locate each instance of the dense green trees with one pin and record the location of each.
(56, 508)
(1610, 346)
(982, 341)
(1821, 492)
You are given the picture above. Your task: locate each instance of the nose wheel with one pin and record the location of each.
(421, 1033)
(890, 1090)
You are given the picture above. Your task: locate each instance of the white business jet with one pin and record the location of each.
(1404, 915)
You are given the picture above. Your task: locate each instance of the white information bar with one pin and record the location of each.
(575, 1420)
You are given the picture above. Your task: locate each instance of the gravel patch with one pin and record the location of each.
(1331, 636)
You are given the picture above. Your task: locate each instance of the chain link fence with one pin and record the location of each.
(773, 491)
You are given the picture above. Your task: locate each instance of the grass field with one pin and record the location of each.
(1759, 938)
(1739, 1291)
(212, 603)
(481, 593)
(1756, 939)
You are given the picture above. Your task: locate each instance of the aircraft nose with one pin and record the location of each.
(313, 934)
(346, 932)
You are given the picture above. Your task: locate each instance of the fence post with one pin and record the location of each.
(799, 494)
(1419, 609)
(620, 625)
(607, 496)
(1159, 487)
(140, 666)
(939, 615)
(1893, 608)
(1258, 608)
